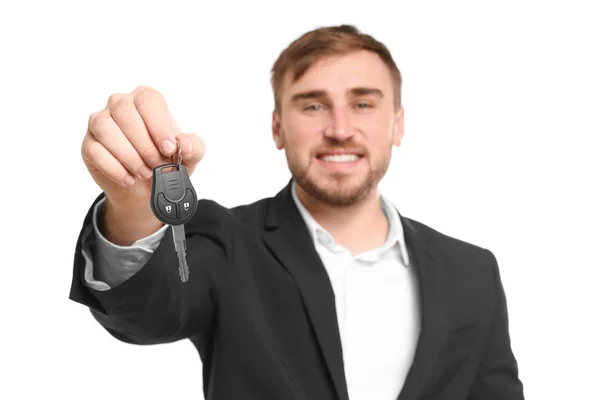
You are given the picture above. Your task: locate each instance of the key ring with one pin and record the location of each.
(179, 156)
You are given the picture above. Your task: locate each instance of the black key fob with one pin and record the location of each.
(173, 199)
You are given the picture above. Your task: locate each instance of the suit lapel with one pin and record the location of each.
(288, 239)
(434, 325)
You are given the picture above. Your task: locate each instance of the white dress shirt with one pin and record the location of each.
(376, 296)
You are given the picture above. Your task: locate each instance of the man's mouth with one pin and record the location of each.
(340, 160)
(344, 157)
(340, 155)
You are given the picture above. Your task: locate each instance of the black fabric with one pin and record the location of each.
(260, 309)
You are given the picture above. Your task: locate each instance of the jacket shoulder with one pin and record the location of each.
(251, 214)
(447, 245)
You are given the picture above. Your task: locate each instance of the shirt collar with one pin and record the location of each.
(395, 233)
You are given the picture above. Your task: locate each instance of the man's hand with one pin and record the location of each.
(134, 133)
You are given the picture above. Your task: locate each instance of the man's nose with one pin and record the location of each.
(339, 125)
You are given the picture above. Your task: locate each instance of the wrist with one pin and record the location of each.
(124, 223)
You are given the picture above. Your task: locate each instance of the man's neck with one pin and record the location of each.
(359, 227)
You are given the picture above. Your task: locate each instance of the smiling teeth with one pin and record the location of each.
(340, 158)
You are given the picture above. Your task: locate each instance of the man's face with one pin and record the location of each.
(341, 104)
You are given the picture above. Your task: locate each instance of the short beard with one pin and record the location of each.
(336, 194)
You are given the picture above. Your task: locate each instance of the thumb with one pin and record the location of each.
(192, 150)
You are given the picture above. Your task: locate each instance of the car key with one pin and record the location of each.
(174, 202)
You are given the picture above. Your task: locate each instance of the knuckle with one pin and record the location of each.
(146, 94)
(149, 151)
(152, 156)
(114, 99)
(87, 150)
(96, 124)
(122, 105)
(93, 116)
(132, 160)
(84, 150)
(142, 88)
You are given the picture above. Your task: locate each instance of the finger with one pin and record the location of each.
(98, 158)
(161, 126)
(106, 131)
(128, 119)
(192, 149)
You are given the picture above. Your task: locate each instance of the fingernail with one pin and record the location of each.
(130, 180)
(168, 147)
(145, 172)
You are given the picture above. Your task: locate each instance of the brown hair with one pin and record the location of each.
(312, 46)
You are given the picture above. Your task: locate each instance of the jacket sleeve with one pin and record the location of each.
(497, 376)
(153, 306)
(108, 264)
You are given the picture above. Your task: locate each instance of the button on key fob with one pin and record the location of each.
(174, 202)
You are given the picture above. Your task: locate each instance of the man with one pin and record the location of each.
(323, 291)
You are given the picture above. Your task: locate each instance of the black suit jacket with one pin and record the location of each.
(260, 309)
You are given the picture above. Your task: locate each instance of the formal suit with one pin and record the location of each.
(259, 307)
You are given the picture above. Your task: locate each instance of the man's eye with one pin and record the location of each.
(364, 105)
(313, 107)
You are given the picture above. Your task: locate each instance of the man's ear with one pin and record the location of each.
(276, 131)
(399, 126)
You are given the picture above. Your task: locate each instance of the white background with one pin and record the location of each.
(502, 108)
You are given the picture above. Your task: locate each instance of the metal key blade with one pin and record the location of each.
(179, 240)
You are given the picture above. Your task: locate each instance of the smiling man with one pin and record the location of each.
(337, 123)
(323, 291)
